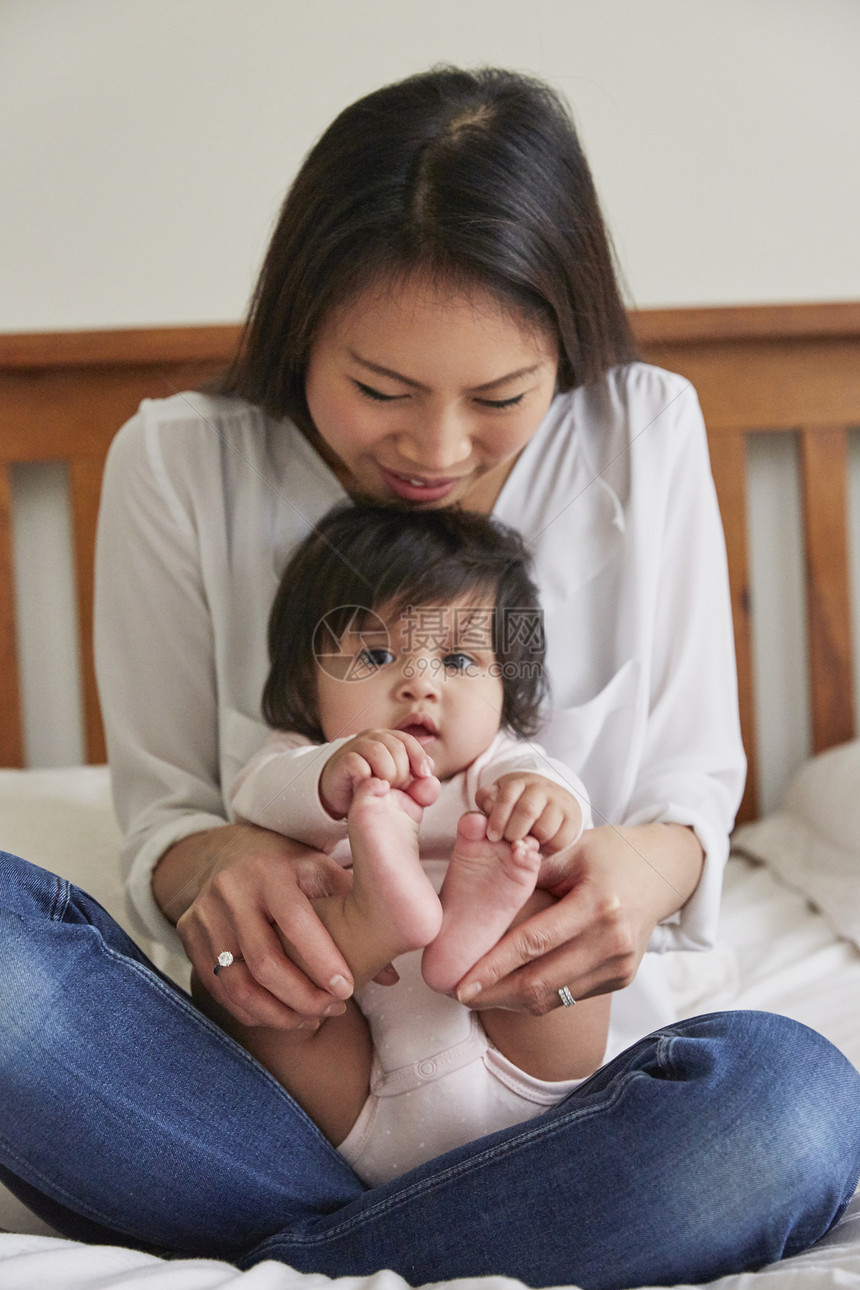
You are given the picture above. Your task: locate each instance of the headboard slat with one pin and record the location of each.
(728, 464)
(823, 460)
(85, 481)
(11, 732)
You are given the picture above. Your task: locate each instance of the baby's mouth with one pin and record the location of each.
(421, 728)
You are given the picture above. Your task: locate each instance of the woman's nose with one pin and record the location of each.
(437, 441)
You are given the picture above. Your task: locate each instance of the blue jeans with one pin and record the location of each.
(717, 1144)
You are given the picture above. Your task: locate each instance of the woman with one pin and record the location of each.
(437, 322)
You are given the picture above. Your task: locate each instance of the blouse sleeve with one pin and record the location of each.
(692, 766)
(155, 666)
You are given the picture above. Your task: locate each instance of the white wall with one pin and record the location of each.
(146, 146)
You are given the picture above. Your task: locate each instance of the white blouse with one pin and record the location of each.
(204, 499)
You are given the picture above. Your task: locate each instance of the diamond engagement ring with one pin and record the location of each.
(566, 997)
(225, 958)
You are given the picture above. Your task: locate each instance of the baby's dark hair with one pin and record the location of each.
(363, 558)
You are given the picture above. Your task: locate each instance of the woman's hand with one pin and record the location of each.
(613, 887)
(249, 891)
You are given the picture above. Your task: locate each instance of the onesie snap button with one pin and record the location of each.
(427, 1069)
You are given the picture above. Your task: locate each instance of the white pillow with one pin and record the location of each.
(63, 820)
(813, 842)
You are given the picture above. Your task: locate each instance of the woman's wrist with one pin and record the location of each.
(672, 859)
(664, 860)
(184, 868)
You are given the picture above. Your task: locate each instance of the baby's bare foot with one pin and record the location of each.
(487, 883)
(393, 900)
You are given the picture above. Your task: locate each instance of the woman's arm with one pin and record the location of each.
(164, 600)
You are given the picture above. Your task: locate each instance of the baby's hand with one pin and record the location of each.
(391, 755)
(519, 804)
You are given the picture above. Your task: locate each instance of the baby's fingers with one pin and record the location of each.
(355, 768)
(385, 758)
(515, 810)
(563, 835)
(385, 762)
(485, 799)
(396, 757)
(419, 760)
(549, 826)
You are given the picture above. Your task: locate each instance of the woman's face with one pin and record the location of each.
(425, 394)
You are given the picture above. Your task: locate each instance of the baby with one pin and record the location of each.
(406, 676)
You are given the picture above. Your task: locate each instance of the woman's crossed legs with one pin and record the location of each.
(722, 1142)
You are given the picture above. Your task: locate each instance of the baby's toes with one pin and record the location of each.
(472, 827)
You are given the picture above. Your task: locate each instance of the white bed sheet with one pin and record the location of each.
(28, 1262)
(775, 952)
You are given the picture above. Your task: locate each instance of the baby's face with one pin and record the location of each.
(430, 671)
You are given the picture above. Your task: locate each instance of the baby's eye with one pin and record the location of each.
(375, 657)
(458, 662)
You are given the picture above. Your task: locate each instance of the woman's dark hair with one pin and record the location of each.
(362, 559)
(471, 176)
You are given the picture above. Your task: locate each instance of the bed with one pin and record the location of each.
(789, 936)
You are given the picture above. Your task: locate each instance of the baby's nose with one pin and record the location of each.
(420, 678)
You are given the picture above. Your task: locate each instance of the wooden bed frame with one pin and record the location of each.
(757, 369)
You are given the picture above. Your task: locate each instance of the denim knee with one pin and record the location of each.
(795, 1100)
(34, 1000)
(46, 925)
(716, 1145)
(26, 891)
(813, 1131)
(807, 1088)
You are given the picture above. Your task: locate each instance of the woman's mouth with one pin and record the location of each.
(415, 488)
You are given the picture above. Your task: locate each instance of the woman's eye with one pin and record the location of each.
(375, 657)
(378, 397)
(502, 403)
(458, 662)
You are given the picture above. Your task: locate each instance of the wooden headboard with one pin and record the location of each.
(757, 369)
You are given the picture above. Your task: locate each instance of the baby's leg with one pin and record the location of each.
(326, 1070)
(391, 908)
(565, 1043)
(489, 887)
(486, 885)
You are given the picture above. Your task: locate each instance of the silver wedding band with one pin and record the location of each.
(566, 997)
(225, 958)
